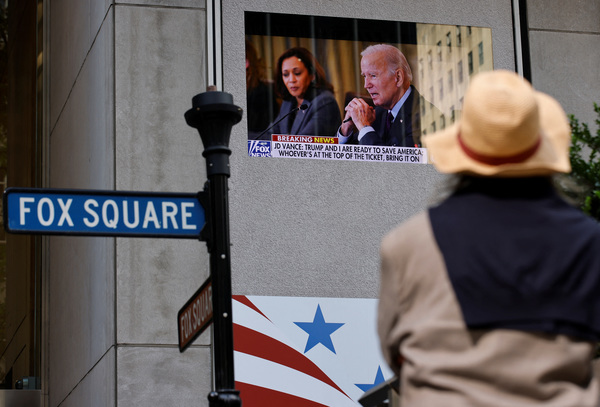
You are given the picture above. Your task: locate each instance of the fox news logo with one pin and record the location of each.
(258, 148)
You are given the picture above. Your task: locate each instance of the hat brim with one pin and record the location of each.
(552, 156)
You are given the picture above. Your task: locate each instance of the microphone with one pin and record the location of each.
(303, 106)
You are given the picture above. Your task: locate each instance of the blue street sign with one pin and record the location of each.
(103, 213)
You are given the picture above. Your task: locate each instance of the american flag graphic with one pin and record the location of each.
(308, 352)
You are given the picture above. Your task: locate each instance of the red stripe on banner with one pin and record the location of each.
(244, 300)
(254, 396)
(246, 340)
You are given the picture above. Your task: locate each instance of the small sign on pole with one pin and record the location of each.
(195, 316)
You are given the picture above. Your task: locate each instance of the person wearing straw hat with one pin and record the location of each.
(491, 298)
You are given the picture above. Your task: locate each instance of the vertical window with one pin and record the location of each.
(452, 114)
(449, 41)
(450, 81)
(470, 56)
(442, 122)
(441, 87)
(458, 36)
(459, 68)
(439, 51)
(480, 47)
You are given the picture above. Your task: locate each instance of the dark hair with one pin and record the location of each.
(312, 65)
(255, 73)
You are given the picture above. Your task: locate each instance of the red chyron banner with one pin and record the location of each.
(304, 139)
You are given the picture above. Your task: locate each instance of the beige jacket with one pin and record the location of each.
(444, 363)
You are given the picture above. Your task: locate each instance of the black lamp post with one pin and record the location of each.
(214, 114)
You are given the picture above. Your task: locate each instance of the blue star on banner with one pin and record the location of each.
(319, 331)
(378, 380)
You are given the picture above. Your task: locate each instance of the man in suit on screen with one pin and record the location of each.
(396, 118)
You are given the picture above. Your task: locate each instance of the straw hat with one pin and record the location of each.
(507, 129)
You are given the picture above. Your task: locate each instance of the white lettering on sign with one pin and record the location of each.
(23, 209)
(186, 214)
(136, 215)
(40, 212)
(111, 214)
(114, 221)
(87, 205)
(169, 210)
(150, 216)
(65, 212)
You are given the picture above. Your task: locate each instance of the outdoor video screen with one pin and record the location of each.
(333, 88)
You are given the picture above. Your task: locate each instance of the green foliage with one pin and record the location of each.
(585, 163)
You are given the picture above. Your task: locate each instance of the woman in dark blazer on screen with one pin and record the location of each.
(307, 97)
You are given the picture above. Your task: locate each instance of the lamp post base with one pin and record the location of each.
(224, 398)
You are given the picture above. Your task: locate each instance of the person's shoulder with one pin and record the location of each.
(407, 232)
(590, 224)
(575, 216)
(323, 95)
(324, 99)
(286, 105)
(415, 100)
(414, 90)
